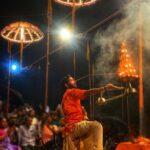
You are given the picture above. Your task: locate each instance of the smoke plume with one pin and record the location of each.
(125, 29)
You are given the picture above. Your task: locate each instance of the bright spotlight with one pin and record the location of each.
(14, 68)
(65, 34)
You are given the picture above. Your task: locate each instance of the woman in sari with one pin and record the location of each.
(48, 132)
(4, 136)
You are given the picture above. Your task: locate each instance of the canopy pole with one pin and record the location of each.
(49, 17)
(9, 80)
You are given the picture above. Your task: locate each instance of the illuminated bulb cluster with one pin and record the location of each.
(126, 68)
(76, 3)
(22, 32)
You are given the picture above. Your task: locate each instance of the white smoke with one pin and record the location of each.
(125, 29)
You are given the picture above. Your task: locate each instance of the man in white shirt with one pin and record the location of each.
(27, 135)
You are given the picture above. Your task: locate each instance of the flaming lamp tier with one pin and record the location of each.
(126, 70)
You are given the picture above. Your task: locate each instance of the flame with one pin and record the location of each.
(126, 68)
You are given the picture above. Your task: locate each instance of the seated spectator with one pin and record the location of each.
(20, 116)
(55, 118)
(4, 130)
(47, 131)
(27, 135)
(33, 116)
(4, 136)
(59, 110)
(14, 130)
(57, 121)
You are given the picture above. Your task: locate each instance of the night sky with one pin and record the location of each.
(31, 83)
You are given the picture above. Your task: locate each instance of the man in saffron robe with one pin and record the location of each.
(76, 127)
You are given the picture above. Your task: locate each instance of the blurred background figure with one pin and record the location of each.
(47, 135)
(27, 135)
(14, 130)
(5, 132)
(32, 114)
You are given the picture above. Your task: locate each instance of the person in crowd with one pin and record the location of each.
(5, 131)
(47, 131)
(32, 114)
(20, 116)
(14, 113)
(59, 110)
(27, 134)
(55, 118)
(14, 130)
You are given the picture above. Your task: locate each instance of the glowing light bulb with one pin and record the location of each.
(22, 33)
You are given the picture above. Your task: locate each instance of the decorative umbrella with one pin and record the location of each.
(23, 33)
(77, 3)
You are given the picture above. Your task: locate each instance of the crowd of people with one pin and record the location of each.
(24, 129)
